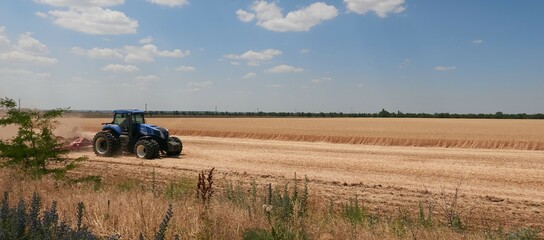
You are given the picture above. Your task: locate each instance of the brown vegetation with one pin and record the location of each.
(457, 133)
(127, 207)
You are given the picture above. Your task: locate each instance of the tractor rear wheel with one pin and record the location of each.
(175, 153)
(147, 149)
(105, 144)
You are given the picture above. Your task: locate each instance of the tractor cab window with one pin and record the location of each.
(119, 119)
(123, 120)
(138, 118)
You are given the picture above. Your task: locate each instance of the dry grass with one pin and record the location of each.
(128, 213)
(458, 133)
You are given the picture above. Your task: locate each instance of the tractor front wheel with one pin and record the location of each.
(175, 152)
(105, 144)
(147, 149)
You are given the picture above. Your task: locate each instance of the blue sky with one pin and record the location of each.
(341, 56)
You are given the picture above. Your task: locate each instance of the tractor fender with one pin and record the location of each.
(115, 129)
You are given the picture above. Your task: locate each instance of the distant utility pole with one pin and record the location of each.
(216, 109)
(146, 107)
(19, 103)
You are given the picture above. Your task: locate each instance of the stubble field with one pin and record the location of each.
(392, 164)
(459, 133)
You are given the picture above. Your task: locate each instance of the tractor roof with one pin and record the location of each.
(125, 111)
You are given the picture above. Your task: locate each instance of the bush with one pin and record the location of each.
(34, 147)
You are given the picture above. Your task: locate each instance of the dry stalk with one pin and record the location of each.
(204, 189)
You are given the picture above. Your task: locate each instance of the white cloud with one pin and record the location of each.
(29, 44)
(26, 50)
(405, 63)
(90, 16)
(360, 85)
(254, 58)
(95, 20)
(131, 54)
(200, 84)
(41, 14)
(197, 86)
(176, 53)
(284, 69)
(81, 3)
(270, 16)
(79, 51)
(249, 75)
(323, 79)
(186, 69)
(98, 53)
(148, 78)
(169, 3)
(22, 73)
(120, 68)
(305, 50)
(275, 85)
(23, 57)
(146, 40)
(4, 41)
(104, 53)
(245, 16)
(478, 41)
(148, 52)
(380, 7)
(445, 68)
(235, 63)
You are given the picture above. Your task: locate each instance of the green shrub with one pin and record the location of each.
(34, 147)
(353, 212)
(235, 194)
(515, 234)
(178, 189)
(128, 185)
(257, 234)
(425, 221)
(523, 234)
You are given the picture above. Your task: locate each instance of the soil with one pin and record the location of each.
(495, 186)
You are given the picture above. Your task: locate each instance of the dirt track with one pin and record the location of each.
(505, 186)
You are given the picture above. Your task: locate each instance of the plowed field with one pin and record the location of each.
(498, 165)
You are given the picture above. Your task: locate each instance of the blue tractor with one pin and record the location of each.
(128, 132)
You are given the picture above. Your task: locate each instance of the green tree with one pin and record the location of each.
(35, 150)
(384, 113)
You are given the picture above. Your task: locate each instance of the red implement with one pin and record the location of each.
(77, 143)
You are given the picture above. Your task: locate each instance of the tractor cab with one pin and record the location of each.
(128, 120)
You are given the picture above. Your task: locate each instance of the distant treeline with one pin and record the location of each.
(382, 114)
